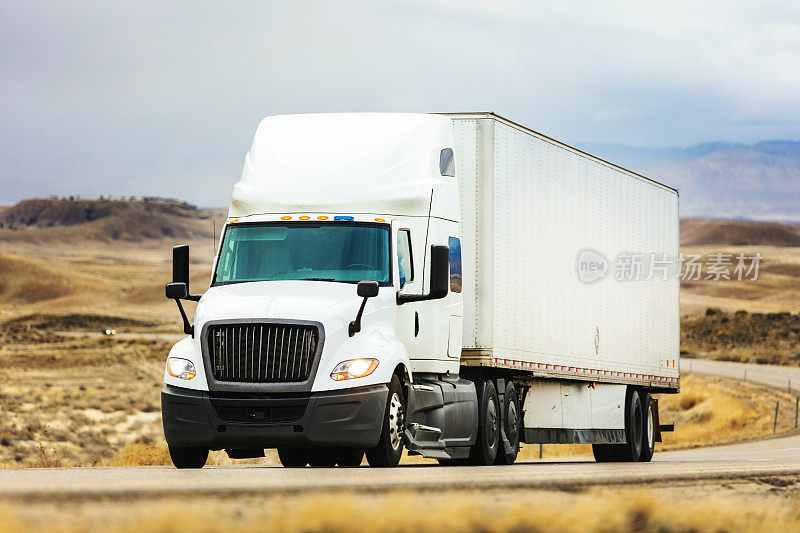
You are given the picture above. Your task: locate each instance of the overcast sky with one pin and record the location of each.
(162, 98)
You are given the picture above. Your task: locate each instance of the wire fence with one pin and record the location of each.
(786, 413)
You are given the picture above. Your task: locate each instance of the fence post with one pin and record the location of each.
(540, 450)
(796, 406)
(775, 424)
(745, 375)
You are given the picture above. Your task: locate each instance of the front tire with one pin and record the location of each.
(390, 446)
(293, 457)
(192, 457)
(349, 457)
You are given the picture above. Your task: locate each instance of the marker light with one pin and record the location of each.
(342, 217)
(233, 221)
(180, 368)
(322, 217)
(380, 220)
(354, 368)
(305, 217)
(286, 218)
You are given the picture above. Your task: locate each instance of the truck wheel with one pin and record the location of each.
(321, 457)
(510, 425)
(607, 453)
(293, 457)
(631, 451)
(484, 451)
(648, 428)
(349, 457)
(390, 447)
(634, 420)
(194, 457)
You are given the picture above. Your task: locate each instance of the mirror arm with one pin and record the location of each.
(355, 325)
(193, 297)
(187, 327)
(407, 298)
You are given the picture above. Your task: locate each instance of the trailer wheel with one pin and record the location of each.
(293, 457)
(648, 428)
(510, 425)
(390, 446)
(484, 451)
(349, 457)
(194, 457)
(631, 451)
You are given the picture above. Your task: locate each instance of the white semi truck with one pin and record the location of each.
(451, 284)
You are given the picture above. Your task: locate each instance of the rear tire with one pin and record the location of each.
(510, 425)
(293, 457)
(390, 446)
(194, 457)
(484, 452)
(648, 429)
(631, 451)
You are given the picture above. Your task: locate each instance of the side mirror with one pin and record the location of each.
(179, 288)
(176, 291)
(440, 277)
(366, 289)
(180, 265)
(440, 271)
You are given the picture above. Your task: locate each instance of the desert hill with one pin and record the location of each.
(698, 231)
(64, 220)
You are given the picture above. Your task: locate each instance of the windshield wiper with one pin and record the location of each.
(317, 279)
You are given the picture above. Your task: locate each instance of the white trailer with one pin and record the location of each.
(510, 289)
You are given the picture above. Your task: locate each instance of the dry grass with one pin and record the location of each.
(600, 510)
(771, 338)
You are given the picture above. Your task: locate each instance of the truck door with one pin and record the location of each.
(411, 317)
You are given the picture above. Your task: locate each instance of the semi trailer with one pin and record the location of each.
(455, 285)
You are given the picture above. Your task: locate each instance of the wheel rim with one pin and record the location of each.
(651, 430)
(491, 422)
(395, 421)
(637, 425)
(513, 430)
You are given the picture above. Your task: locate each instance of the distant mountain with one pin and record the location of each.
(722, 180)
(65, 220)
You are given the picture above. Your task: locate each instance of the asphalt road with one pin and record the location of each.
(765, 457)
(784, 378)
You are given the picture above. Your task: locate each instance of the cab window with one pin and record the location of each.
(404, 258)
(455, 264)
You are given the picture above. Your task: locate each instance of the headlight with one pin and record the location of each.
(180, 368)
(354, 368)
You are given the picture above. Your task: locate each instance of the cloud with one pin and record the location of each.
(109, 98)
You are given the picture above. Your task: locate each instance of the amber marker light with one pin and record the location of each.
(286, 218)
(305, 217)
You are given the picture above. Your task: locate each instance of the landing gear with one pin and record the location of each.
(390, 446)
(194, 457)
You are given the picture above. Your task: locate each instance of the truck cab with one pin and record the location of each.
(336, 282)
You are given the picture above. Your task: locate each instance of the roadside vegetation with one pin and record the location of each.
(768, 506)
(763, 338)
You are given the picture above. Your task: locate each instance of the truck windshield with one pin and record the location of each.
(346, 252)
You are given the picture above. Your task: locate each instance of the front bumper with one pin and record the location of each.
(345, 418)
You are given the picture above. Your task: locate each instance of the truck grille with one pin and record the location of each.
(262, 353)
